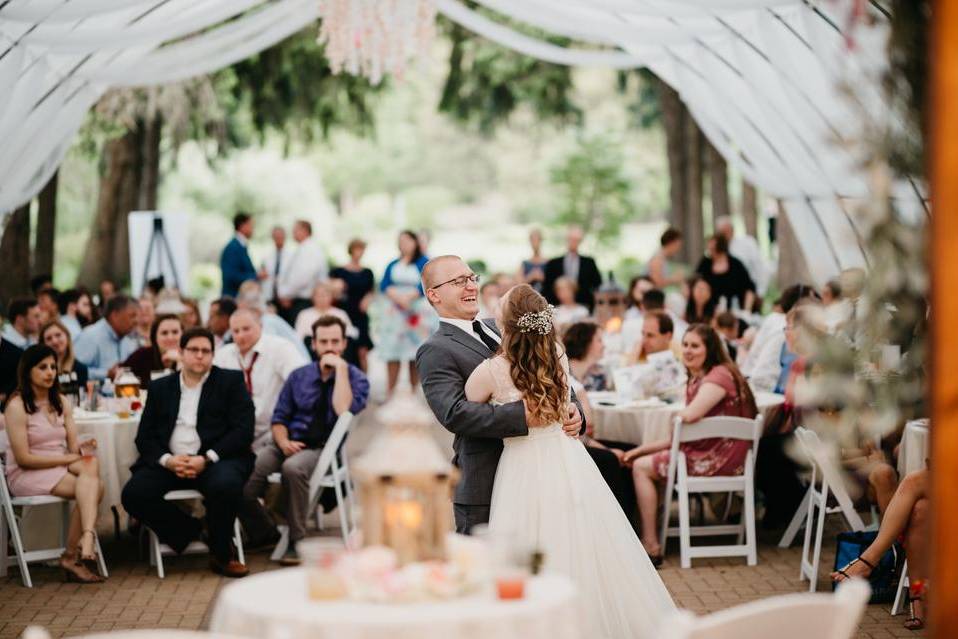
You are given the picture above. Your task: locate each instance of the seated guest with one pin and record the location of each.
(637, 288)
(75, 310)
(190, 317)
(48, 302)
(219, 321)
(309, 404)
(715, 387)
(568, 311)
(657, 336)
(701, 305)
(908, 514)
(163, 356)
(195, 433)
(107, 342)
(489, 294)
(266, 362)
(251, 297)
(23, 325)
(146, 313)
(72, 374)
(584, 348)
(9, 360)
(727, 326)
(322, 306)
(44, 458)
(654, 300)
(105, 292)
(40, 282)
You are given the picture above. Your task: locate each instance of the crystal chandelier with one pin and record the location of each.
(375, 37)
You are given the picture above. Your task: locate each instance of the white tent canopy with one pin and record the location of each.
(763, 78)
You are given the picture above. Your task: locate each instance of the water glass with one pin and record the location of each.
(321, 558)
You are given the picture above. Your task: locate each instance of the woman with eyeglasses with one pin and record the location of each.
(407, 319)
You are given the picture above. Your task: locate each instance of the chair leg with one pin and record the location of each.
(685, 536)
(14, 529)
(238, 541)
(819, 533)
(809, 519)
(157, 555)
(341, 507)
(4, 542)
(796, 524)
(282, 544)
(351, 498)
(902, 586)
(100, 560)
(748, 518)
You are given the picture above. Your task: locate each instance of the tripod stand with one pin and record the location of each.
(158, 240)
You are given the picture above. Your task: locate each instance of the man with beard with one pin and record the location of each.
(311, 401)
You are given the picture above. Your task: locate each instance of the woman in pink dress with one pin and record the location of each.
(715, 387)
(44, 457)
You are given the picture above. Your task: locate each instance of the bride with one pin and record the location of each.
(549, 494)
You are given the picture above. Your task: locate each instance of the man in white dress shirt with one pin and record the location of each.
(306, 267)
(265, 361)
(275, 264)
(24, 322)
(745, 249)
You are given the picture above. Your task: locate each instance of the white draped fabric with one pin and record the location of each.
(765, 79)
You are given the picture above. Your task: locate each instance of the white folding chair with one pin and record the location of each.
(903, 584)
(678, 480)
(157, 549)
(9, 522)
(793, 616)
(826, 481)
(328, 473)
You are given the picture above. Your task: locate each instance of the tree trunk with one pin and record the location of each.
(15, 255)
(694, 222)
(750, 208)
(46, 228)
(150, 182)
(673, 119)
(792, 267)
(718, 183)
(107, 252)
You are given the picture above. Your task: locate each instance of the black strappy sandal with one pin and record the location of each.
(841, 571)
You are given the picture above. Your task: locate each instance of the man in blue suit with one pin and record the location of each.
(235, 263)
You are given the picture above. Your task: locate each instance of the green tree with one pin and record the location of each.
(593, 190)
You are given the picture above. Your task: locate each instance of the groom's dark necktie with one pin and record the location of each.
(484, 336)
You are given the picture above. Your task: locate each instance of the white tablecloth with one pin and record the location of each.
(638, 424)
(913, 453)
(274, 605)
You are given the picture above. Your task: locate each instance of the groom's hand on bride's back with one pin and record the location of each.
(572, 425)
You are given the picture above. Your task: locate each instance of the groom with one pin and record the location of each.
(445, 362)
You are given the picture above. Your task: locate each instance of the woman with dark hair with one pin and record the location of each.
(637, 288)
(45, 458)
(406, 322)
(727, 276)
(164, 352)
(584, 347)
(358, 284)
(660, 267)
(72, 374)
(700, 308)
(190, 318)
(540, 476)
(715, 387)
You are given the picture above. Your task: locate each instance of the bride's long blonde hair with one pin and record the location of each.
(530, 345)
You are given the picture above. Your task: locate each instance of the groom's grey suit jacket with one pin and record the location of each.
(445, 362)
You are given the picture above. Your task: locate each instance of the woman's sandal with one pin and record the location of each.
(89, 561)
(916, 592)
(843, 571)
(75, 572)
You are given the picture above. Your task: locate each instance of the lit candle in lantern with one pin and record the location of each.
(614, 325)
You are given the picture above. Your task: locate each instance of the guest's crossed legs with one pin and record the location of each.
(295, 471)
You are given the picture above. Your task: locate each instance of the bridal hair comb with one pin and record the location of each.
(537, 322)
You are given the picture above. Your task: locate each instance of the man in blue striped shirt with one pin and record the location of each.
(109, 341)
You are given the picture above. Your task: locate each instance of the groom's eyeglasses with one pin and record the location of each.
(460, 282)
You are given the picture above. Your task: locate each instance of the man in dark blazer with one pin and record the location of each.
(580, 268)
(235, 263)
(445, 362)
(195, 433)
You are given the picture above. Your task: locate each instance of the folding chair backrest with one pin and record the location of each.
(724, 427)
(328, 453)
(818, 455)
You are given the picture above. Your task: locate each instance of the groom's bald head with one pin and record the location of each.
(449, 300)
(434, 270)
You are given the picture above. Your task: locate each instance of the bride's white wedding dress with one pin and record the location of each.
(548, 493)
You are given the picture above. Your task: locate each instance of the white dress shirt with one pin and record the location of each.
(763, 365)
(275, 359)
(306, 268)
(185, 439)
(466, 326)
(13, 336)
(269, 265)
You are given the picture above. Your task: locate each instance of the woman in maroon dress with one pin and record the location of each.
(715, 387)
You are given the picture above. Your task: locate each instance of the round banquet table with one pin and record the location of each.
(274, 605)
(913, 453)
(646, 421)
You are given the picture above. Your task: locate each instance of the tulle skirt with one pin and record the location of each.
(548, 494)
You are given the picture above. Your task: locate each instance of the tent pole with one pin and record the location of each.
(943, 156)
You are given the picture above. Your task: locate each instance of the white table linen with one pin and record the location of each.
(274, 605)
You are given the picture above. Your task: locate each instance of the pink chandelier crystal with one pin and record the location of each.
(375, 37)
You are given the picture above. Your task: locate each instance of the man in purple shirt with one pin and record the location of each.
(311, 401)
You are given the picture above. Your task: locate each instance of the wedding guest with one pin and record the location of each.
(146, 313)
(831, 292)
(45, 458)
(75, 310)
(72, 375)
(424, 237)
(265, 361)
(105, 292)
(908, 515)
(163, 355)
(532, 270)
(567, 311)
(637, 288)
(9, 360)
(727, 276)
(307, 267)
(584, 348)
(745, 249)
(359, 285)
(654, 300)
(190, 317)
(191, 439)
(105, 343)
(727, 326)
(219, 320)
(23, 322)
(657, 336)
(40, 282)
(700, 308)
(489, 294)
(276, 264)
(310, 402)
(581, 269)
(407, 318)
(48, 302)
(715, 387)
(235, 263)
(322, 306)
(251, 297)
(661, 272)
